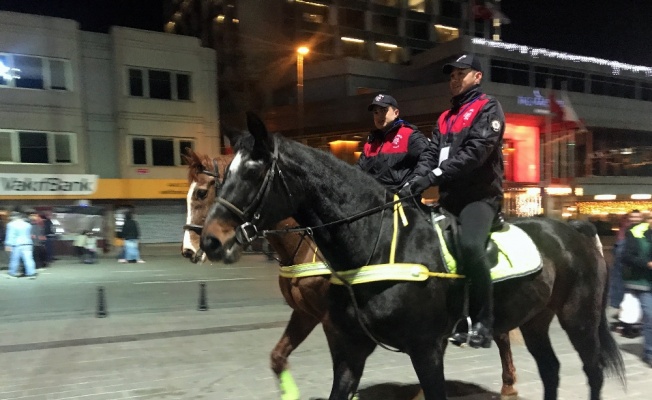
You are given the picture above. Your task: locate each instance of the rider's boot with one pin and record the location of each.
(481, 296)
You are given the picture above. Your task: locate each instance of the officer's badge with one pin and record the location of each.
(495, 125)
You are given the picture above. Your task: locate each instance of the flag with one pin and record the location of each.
(488, 11)
(566, 113)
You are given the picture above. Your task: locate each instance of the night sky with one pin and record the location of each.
(616, 30)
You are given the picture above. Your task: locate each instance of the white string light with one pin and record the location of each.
(534, 52)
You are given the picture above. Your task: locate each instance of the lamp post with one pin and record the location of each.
(301, 52)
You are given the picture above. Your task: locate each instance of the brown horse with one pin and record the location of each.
(307, 296)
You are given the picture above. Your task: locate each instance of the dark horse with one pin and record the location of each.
(306, 295)
(271, 178)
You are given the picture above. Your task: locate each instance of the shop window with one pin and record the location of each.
(313, 18)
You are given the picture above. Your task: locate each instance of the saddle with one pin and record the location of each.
(510, 250)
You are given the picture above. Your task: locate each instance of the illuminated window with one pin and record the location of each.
(159, 151)
(417, 5)
(390, 53)
(353, 47)
(446, 33)
(314, 18)
(33, 72)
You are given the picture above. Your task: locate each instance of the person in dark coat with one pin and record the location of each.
(131, 233)
(468, 139)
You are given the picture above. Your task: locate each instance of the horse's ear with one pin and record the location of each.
(257, 128)
(188, 156)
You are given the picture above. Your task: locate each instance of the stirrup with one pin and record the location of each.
(457, 338)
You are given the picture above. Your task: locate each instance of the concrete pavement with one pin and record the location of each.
(155, 344)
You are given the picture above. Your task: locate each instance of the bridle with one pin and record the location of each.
(247, 231)
(215, 173)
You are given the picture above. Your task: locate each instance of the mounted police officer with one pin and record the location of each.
(396, 152)
(468, 140)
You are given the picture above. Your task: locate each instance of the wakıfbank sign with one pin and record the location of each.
(47, 184)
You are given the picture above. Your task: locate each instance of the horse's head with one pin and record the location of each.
(248, 187)
(204, 180)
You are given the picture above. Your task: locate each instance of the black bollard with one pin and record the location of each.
(203, 305)
(101, 303)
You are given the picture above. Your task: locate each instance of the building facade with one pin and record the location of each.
(103, 119)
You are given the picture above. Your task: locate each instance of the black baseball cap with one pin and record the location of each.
(464, 61)
(383, 100)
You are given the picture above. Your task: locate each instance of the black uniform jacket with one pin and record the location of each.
(472, 130)
(397, 155)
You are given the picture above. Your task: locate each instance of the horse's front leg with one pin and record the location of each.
(297, 330)
(507, 392)
(349, 356)
(428, 362)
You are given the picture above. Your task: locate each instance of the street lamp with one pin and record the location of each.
(301, 52)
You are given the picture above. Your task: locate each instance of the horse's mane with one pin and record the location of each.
(366, 185)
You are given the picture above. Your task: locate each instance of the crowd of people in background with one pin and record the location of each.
(28, 236)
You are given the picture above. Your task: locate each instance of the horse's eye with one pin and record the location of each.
(201, 194)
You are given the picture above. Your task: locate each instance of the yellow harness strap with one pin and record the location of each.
(303, 270)
(373, 273)
(390, 272)
(398, 209)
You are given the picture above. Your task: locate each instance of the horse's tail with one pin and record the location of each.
(610, 358)
(588, 229)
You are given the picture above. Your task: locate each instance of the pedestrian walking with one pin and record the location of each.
(130, 233)
(19, 242)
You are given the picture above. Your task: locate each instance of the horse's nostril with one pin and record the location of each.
(210, 243)
(187, 253)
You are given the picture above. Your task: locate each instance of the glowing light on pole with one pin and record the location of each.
(301, 52)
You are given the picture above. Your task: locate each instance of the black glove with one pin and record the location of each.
(416, 187)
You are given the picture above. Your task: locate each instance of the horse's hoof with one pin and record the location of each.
(512, 396)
